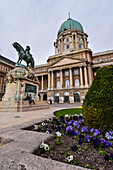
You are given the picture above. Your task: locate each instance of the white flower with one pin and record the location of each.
(47, 132)
(51, 119)
(76, 115)
(70, 158)
(45, 146)
(36, 127)
(58, 134)
(81, 114)
(43, 124)
(42, 145)
(48, 120)
(67, 115)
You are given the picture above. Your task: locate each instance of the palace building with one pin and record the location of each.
(5, 66)
(69, 73)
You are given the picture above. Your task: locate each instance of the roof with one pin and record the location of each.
(70, 24)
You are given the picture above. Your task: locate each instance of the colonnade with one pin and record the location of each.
(83, 74)
(82, 69)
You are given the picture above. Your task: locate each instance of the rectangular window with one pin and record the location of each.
(58, 74)
(76, 71)
(80, 46)
(67, 46)
(6, 69)
(66, 73)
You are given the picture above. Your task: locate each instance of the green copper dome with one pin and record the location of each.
(70, 24)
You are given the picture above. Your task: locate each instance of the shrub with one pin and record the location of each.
(98, 103)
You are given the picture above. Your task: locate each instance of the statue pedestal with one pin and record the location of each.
(19, 82)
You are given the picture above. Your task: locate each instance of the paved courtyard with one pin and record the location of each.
(8, 119)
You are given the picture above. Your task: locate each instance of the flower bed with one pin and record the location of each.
(73, 143)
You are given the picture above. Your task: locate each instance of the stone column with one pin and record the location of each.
(0, 84)
(76, 41)
(42, 83)
(60, 78)
(2, 81)
(48, 80)
(90, 74)
(51, 79)
(70, 74)
(85, 75)
(81, 77)
(55, 45)
(85, 42)
(72, 41)
(62, 44)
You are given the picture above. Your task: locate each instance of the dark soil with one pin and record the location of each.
(85, 156)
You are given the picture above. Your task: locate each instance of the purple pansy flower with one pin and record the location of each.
(75, 123)
(77, 133)
(92, 130)
(78, 126)
(87, 139)
(80, 142)
(84, 129)
(102, 140)
(69, 128)
(97, 132)
(106, 157)
(74, 148)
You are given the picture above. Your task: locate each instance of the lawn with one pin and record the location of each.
(68, 111)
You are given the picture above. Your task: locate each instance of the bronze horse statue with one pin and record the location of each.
(24, 54)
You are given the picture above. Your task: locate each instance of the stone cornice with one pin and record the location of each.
(102, 53)
(3, 62)
(69, 54)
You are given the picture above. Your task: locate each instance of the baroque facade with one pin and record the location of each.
(5, 66)
(69, 73)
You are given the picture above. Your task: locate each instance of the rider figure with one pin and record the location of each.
(27, 51)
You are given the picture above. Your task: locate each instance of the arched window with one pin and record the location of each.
(76, 82)
(66, 97)
(58, 84)
(67, 83)
(66, 93)
(56, 97)
(76, 96)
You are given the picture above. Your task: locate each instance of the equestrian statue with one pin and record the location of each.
(24, 54)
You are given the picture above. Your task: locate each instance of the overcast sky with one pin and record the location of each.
(36, 23)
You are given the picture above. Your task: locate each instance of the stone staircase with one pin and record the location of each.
(22, 106)
(38, 105)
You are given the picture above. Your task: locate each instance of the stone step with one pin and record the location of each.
(8, 106)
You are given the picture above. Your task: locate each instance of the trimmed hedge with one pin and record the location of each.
(98, 103)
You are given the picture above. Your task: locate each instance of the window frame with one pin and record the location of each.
(57, 74)
(66, 71)
(67, 84)
(58, 84)
(75, 71)
(77, 84)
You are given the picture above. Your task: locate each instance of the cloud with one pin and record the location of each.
(36, 23)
